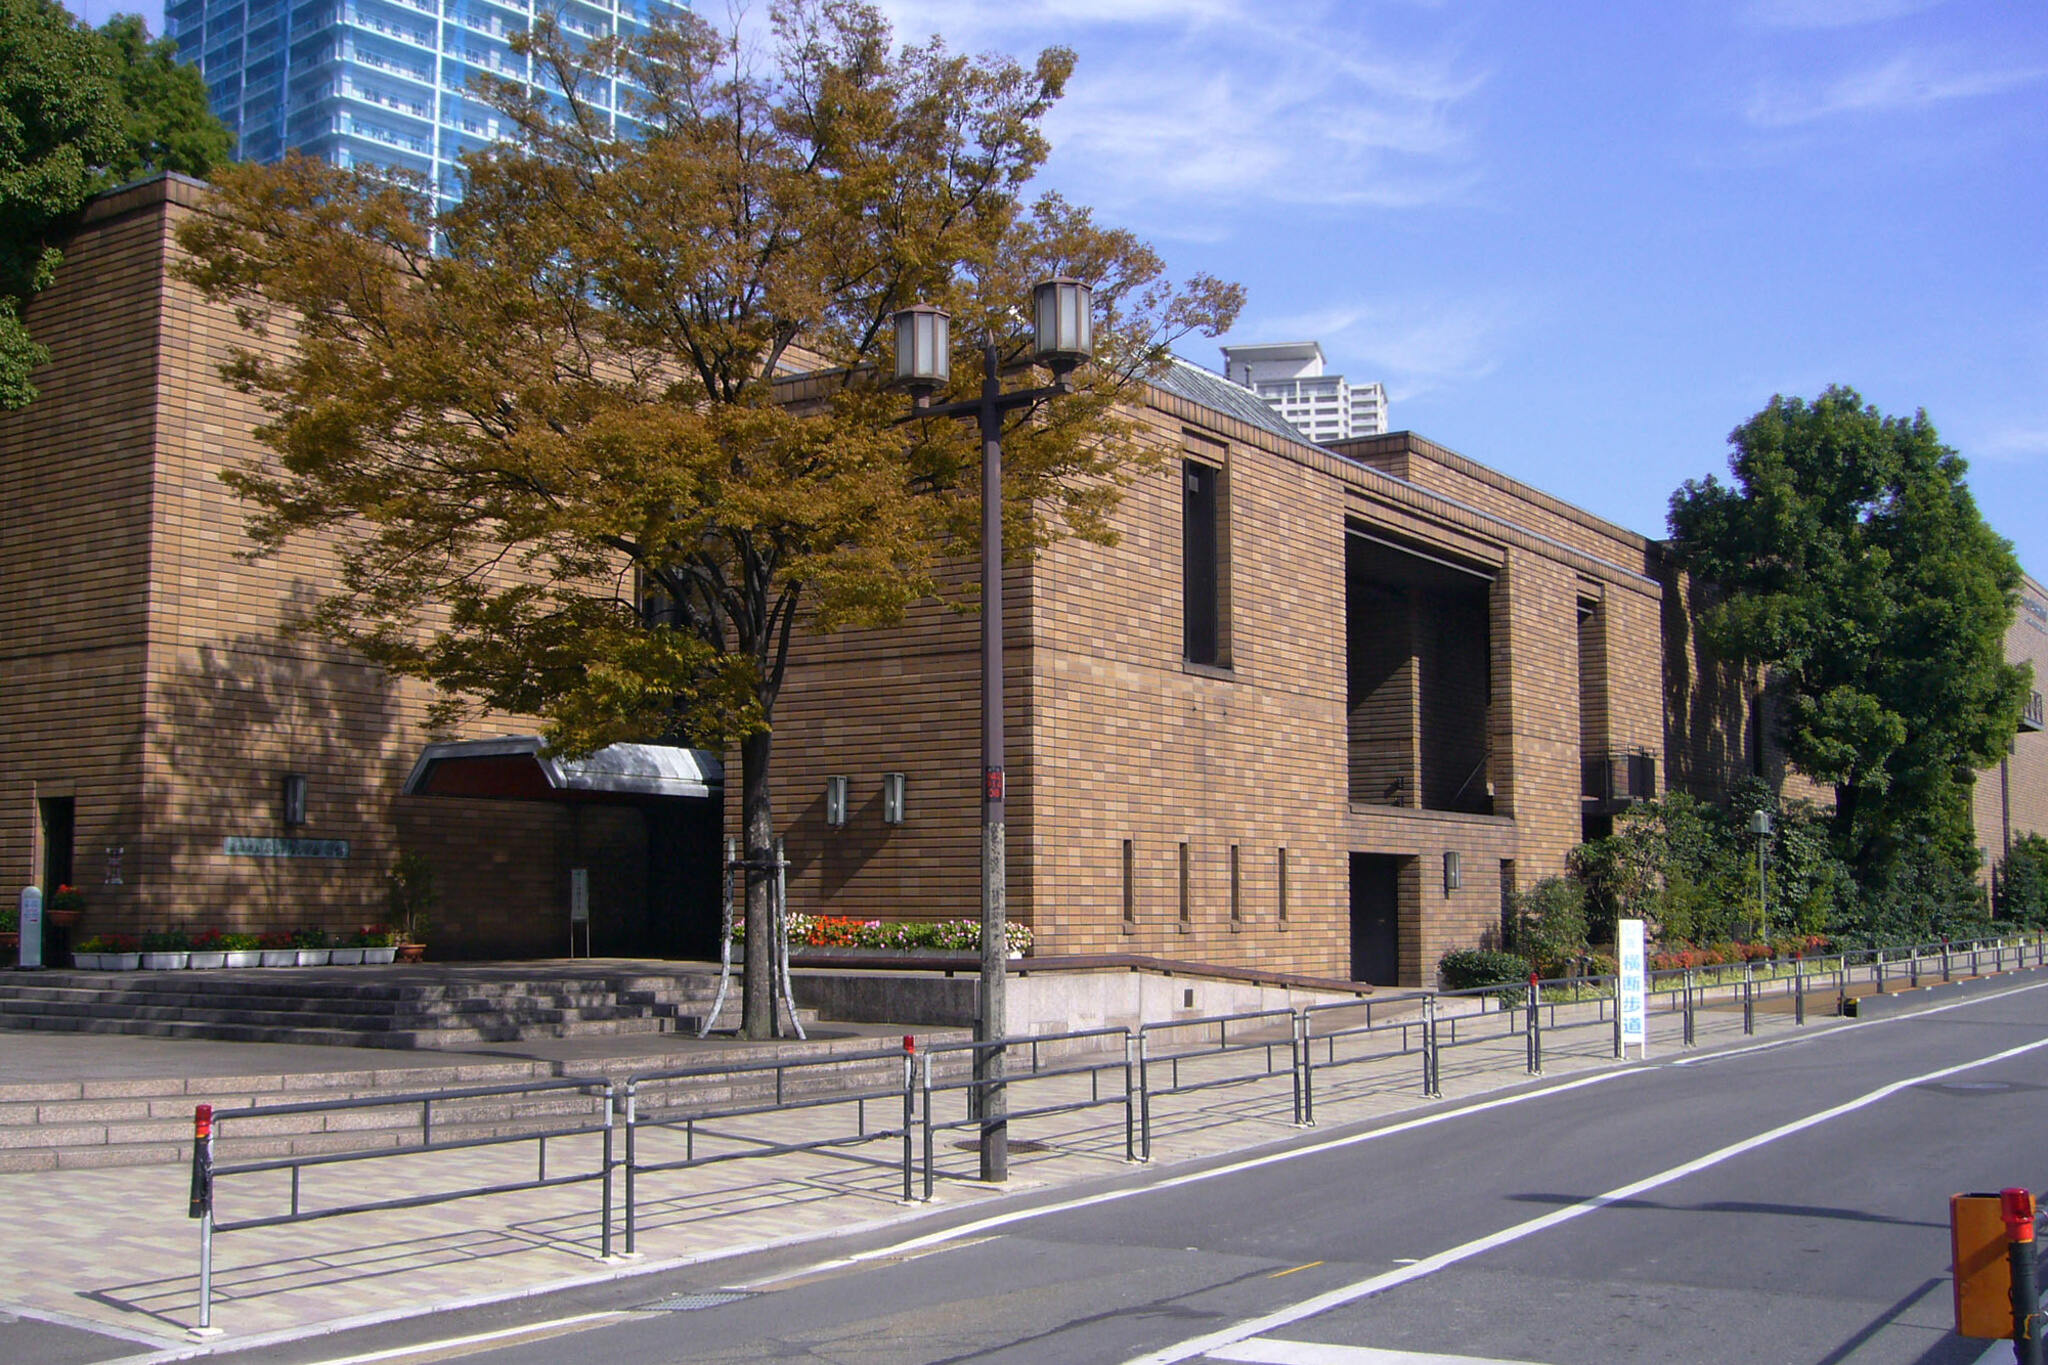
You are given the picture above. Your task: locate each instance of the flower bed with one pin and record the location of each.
(843, 931)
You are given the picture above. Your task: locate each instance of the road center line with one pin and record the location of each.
(1429, 1265)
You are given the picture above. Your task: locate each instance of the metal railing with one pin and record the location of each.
(812, 1077)
(1026, 1063)
(709, 1104)
(1213, 1041)
(206, 1175)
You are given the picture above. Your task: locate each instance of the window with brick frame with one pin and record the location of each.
(1205, 572)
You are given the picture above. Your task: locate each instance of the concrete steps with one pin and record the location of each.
(363, 1007)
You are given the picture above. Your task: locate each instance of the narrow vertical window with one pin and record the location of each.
(1201, 562)
(1236, 890)
(1280, 889)
(1130, 885)
(1187, 907)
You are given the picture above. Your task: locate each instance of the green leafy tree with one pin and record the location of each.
(1848, 562)
(80, 112)
(554, 433)
(167, 123)
(2022, 881)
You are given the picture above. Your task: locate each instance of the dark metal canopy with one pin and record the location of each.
(514, 768)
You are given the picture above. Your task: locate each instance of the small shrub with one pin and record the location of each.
(1549, 924)
(166, 941)
(1464, 969)
(310, 938)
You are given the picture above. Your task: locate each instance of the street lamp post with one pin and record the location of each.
(1760, 826)
(1063, 337)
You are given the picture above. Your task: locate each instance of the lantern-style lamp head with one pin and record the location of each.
(924, 350)
(1063, 324)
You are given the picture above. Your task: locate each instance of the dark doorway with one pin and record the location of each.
(685, 880)
(59, 820)
(1376, 919)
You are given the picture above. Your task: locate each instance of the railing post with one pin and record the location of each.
(610, 1100)
(1432, 1074)
(201, 1207)
(1798, 989)
(927, 1073)
(632, 1121)
(909, 1109)
(1686, 985)
(1303, 1107)
(1130, 1078)
(1144, 1099)
(1913, 968)
(1535, 1040)
(1748, 997)
(1877, 971)
(1617, 1016)
(1944, 958)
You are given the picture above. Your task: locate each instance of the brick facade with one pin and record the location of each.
(1420, 661)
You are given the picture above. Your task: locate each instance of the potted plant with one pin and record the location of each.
(109, 953)
(347, 951)
(208, 950)
(242, 950)
(312, 947)
(166, 950)
(278, 950)
(410, 883)
(64, 906)
(379, 943)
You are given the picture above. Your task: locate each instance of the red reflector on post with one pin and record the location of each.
(2016, 1206)
(909, 1042)
(202, 1122)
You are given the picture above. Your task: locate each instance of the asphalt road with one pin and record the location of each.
(1786, 1203)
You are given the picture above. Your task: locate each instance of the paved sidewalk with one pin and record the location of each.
(115, 1248)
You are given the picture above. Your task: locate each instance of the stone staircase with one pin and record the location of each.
(77, 1124)
(425, 1007)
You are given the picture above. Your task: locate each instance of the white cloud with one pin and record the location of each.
(1414, 348)
(1914, 80)
(2012, 443)
(1182, 112)
(1829, 13)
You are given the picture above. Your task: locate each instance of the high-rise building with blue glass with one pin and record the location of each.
(377, 82)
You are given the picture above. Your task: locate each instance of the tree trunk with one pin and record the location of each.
(757, 823)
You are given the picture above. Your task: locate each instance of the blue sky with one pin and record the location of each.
(1580, 242)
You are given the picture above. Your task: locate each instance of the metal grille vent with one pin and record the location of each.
(690, 1303)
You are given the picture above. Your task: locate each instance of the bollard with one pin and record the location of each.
(1535, 1031)
(2017, 1208)
(1685, 984)
(1798, 989)
(1748, 997)
(1944, 958)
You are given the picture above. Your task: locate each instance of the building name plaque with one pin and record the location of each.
(245, 846)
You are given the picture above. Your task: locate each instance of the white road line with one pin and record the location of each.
(1212, 1342)
(1273, 1351)
(446, 1344)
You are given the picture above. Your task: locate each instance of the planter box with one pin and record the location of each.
(91, 962)
(165, 962)
(312, 957)
(243, 957)
(207, 960)
(280, 957)
(345, 957)
(379, 957)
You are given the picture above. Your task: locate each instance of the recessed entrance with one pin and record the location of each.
(1376, 918)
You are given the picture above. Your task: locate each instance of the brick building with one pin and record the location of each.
(1318, 710)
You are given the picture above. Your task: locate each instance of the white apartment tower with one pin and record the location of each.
(1289, 376)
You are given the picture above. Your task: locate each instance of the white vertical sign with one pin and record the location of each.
(1630, 991)
(579, 895)
(30, 925)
